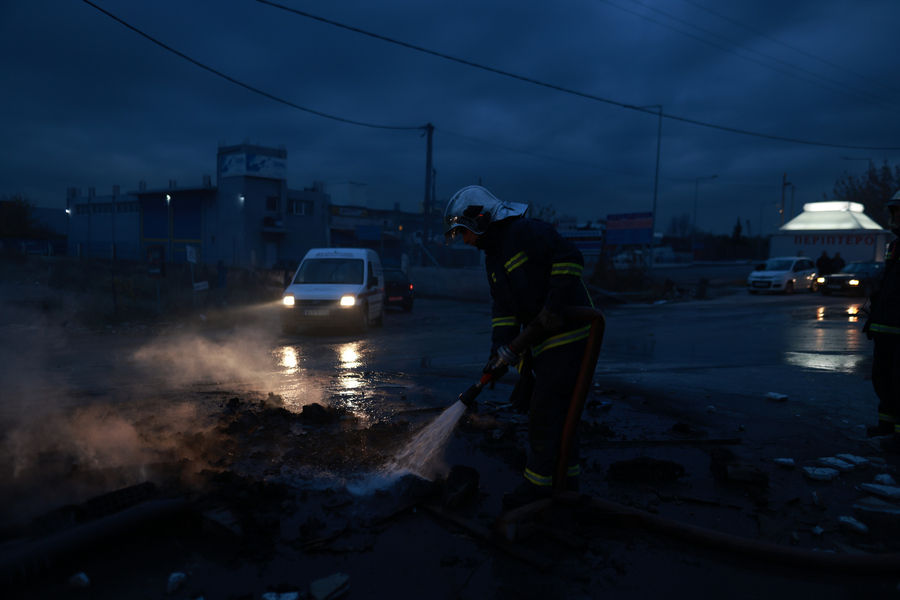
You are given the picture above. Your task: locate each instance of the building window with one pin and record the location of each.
(82, 209)
(101, 208)
(272, 204)
(126, 207)
(300, 207)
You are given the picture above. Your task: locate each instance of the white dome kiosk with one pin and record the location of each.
(831, 227)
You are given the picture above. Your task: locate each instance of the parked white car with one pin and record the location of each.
(784, 275)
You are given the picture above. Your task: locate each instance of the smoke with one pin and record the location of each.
(68, 456)
(241, 356)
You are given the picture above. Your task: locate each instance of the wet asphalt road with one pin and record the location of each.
(709, 363)
(728, 352)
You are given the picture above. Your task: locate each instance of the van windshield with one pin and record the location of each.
(331, 270)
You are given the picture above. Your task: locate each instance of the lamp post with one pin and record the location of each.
(759, 249)
(784, 184)
(694, 228)
(655, 180)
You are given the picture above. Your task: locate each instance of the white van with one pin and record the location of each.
(335, 286)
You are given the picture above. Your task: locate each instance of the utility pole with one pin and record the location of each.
(426, 205)
(655, 183)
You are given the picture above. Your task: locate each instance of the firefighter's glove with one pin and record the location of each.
(495, 371)
(520, 398)
(549, 320)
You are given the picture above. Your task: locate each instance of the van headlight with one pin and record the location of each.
(348, 300)
(288, 300)
(853, 282)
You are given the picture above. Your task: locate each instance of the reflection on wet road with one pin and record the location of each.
(800, 332)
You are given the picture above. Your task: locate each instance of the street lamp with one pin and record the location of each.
(759, 249)
(694, 228)
(655, 180)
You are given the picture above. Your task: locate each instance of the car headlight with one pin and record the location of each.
(288, 300)
(853, 282)
(820, 280)
(348, 300)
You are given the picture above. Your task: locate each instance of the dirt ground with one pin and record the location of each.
(235, 497)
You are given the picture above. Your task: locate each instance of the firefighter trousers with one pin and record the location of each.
(556, 373)
(886, 380)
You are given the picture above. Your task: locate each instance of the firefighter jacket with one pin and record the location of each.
(530, 266)
(885, 311)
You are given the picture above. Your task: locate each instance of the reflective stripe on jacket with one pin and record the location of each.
(530, 266)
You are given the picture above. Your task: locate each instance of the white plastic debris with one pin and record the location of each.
(79, 581)
(858, 461)
(875, 505)
(853, 525)
(835, 463)
(817, 531)
(884, 479)
(776, 396)
(818, 500)
(710, 409)
(821, 473)
(281, 595)
(176, 581)
(785, 462)
(330, 588)
(884, 491)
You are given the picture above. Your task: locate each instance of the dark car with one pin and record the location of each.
(398, 290)
(855, 278)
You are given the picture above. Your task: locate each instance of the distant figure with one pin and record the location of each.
(837, 263)
(823, 264)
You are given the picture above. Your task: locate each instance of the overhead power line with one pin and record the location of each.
(560, 88)
(343, 120)
(858, 95)
(241, 83)
(789, 47)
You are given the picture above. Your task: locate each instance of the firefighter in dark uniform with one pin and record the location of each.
(883, 328)
(533, 274)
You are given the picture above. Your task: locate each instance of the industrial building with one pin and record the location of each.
(248, 218)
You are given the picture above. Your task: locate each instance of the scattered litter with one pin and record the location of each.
(884, 479)
(330, 588)
(885, 491)
(79, 581)
(874, 505)
(835, 463)
(853, 525)
(281, 596)
(785, 462)
(820, 473)
(776, 397)
(710, 409)
(858, 461)
(817, 531)
(176, 580)
(818, 500)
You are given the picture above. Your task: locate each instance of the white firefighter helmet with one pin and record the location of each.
(474, 208)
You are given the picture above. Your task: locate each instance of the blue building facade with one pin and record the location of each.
(250, 218)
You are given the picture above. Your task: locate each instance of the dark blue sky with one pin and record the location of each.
(87, 102)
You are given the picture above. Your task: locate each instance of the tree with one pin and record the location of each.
(872, 189)
(736, 234)
(680, 226)
(15, 217)
(542, 212)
